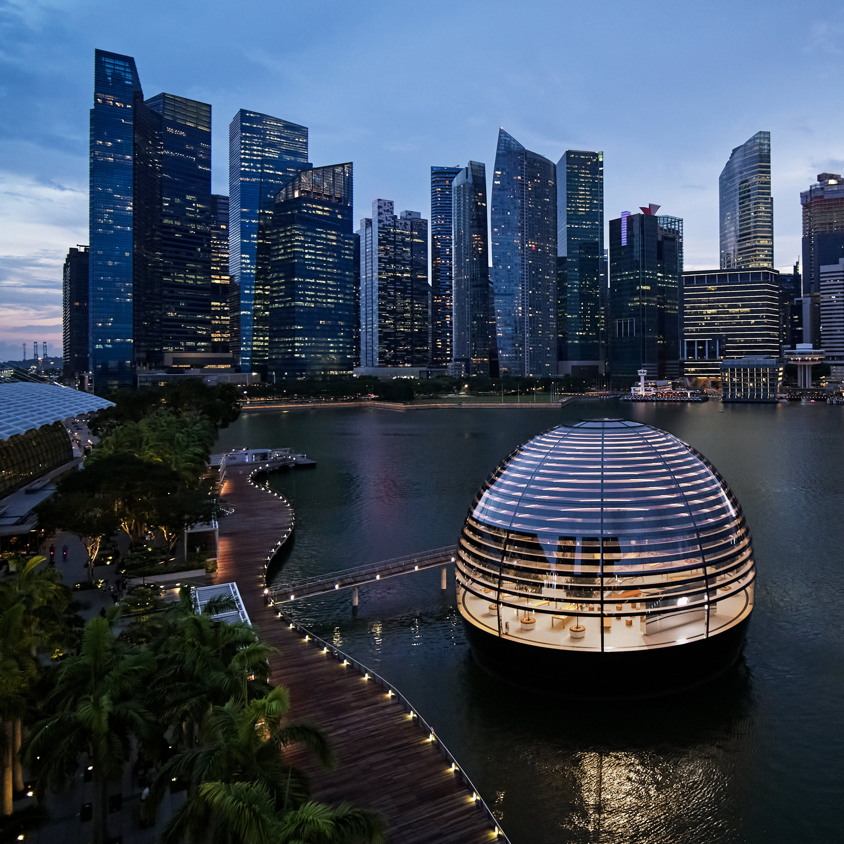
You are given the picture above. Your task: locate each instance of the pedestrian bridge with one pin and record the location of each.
(353, 578)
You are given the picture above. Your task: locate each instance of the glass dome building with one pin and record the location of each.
(607, 558)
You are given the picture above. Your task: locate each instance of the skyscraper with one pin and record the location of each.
(393, 287)
(791, 308)
(727, 315)
(75, 312)
(832, 315)
(823, 228)
(265, 153)
(312, 298)
(150, 189)
(580, 250)
(441, 264)
(184, 224)
(524, 259)
(746, 206)
(220, 279)
(114, 219)
(646, 262)
(474, 314)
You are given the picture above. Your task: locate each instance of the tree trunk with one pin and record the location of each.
(99, 805)
(16, 756)
(8, 807)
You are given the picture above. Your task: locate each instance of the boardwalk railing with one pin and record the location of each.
(347, 661)
(348, 578)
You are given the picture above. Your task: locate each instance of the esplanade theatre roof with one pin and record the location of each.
(24, 406)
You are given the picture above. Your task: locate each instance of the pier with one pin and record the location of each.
(389, 759)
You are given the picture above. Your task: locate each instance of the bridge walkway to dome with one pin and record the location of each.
(355, 577)
(386, 759)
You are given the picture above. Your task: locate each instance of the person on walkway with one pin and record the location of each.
(52, 555)
(64, 553)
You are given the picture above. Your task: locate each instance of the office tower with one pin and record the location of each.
(524, 259)
(474, 314)
(746, 206)
(265, 153)
(823, 228)
(791, 322)
(234, 321)
(441, 324)
(312, 300)
(393, 287)
(356, 329)
(75, 312)
(184, 222)
(832, 313)
(115, 218)
(580, 251)
(728, 314)
(220, 279)
(646, 261)
(150, 254)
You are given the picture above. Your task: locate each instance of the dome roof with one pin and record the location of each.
(608, 477)
(607, 534)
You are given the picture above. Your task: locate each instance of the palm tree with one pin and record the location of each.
(246, 812)
(204, 663)
(95, 709)
(32, 619)
(241, 743)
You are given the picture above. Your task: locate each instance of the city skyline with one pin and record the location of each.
(395, 142)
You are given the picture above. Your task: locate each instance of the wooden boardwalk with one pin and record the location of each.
(384, 760)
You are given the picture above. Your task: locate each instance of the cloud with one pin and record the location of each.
(825, 37)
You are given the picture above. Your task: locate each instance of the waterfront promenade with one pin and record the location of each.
(384, 760)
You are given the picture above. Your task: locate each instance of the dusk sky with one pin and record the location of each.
(665, 89)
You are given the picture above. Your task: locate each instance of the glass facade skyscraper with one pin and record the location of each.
(150, 226)
(393, 287)
(117, 92)
(728, 314)
(220, 279)
(184, 226)
(474, 314)
(312, 297)
(75, 312)
(823, 228)
(442, 329)
(265, 153)
(746, 206)
(580, 250)
(524, 259)
(646, 262)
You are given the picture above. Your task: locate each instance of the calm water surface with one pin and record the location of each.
(757, 757)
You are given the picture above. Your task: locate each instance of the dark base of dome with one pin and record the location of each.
(608, 675)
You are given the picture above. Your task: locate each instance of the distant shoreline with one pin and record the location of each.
(398, 407)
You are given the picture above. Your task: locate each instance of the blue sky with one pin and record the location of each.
(665, 89)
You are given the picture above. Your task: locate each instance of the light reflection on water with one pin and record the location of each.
(756, 757)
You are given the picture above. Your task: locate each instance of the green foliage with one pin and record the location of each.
(180, 442)
(174, 678)
(241, 745)
(220, 405)
(95, 708)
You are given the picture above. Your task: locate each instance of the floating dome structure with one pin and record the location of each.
(603, 559)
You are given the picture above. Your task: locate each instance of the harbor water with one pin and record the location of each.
(755, 757)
